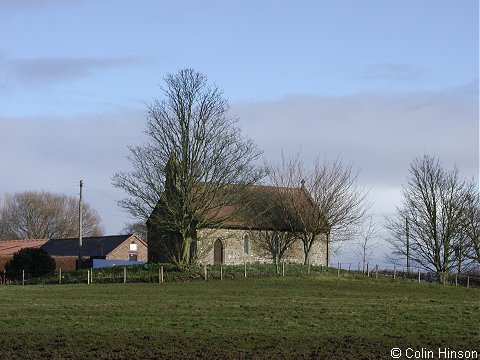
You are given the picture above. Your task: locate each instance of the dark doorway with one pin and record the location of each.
(218, 252)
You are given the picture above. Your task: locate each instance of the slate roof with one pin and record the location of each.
(91, 246)
(9, 247)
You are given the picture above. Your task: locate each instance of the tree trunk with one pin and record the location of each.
(306, 250)
(184, 259)
(328, 248)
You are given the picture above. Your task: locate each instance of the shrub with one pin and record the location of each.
(35, 262)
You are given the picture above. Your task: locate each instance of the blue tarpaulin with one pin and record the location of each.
(99, 263)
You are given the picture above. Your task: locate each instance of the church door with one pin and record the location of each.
(218, 252)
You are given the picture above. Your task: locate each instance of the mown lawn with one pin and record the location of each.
(282, 317)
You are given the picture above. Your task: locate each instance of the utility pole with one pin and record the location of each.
(407, 234)
(80, 226)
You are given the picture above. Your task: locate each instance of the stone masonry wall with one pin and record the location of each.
(233, 248)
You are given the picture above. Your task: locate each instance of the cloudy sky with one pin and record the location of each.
(375, 82)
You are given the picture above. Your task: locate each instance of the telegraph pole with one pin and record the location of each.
(80, 226)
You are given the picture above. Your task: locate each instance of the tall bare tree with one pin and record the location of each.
(366, 241)
(471, 229)
(36, 215)
(434, 204)
(336, 202)
(194, 152)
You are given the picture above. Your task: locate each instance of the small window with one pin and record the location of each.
(246, 244)
(132, 257)
(133, 247)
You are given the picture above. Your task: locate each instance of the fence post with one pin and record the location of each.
(338, 269)
(283, 268)
(419, 276)
(456, 279)
(161, 274)
(245, 268)
(23, 277)
(124, 274)
(60, 276)
(91, 275)
(88, 277)
(368, 271)
(394, 272)
(221, 272)
(205, 276)
(308, 271)
(468, 282)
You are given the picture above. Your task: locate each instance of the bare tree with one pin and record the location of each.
(336, 203)
(138, 228)
(184, 172)
(36, 215)
(367, 241)
(434, 206)
(471, 229)
(274, 243)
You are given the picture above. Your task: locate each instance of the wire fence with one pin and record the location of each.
(160, 273)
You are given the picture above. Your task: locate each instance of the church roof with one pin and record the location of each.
(269, 208)
(262, 208)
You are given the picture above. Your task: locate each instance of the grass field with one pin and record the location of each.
(281, 317)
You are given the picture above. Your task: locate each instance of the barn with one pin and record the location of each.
(125, 248)
(112, 250)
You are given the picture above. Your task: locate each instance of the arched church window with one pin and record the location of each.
(246, 243)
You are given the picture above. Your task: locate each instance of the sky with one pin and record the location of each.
(374, 82)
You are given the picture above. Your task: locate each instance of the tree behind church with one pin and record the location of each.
(190, 130)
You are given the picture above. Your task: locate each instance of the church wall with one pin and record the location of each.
(234, 252)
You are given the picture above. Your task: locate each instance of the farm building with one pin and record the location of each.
(10, 247)
(65, 251)
(117, 247)
(242, 236)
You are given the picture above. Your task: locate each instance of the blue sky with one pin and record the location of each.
(377, 82)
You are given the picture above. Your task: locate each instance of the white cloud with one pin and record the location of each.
(380, 134)
(46, 70)
(392, 72)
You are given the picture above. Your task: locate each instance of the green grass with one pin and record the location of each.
(299, 317)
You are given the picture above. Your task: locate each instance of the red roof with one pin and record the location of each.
(9, 247)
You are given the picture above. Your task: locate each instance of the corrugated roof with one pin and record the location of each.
(91, 246)
(9, 247)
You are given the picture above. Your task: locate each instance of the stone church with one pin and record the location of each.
(243, 237)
